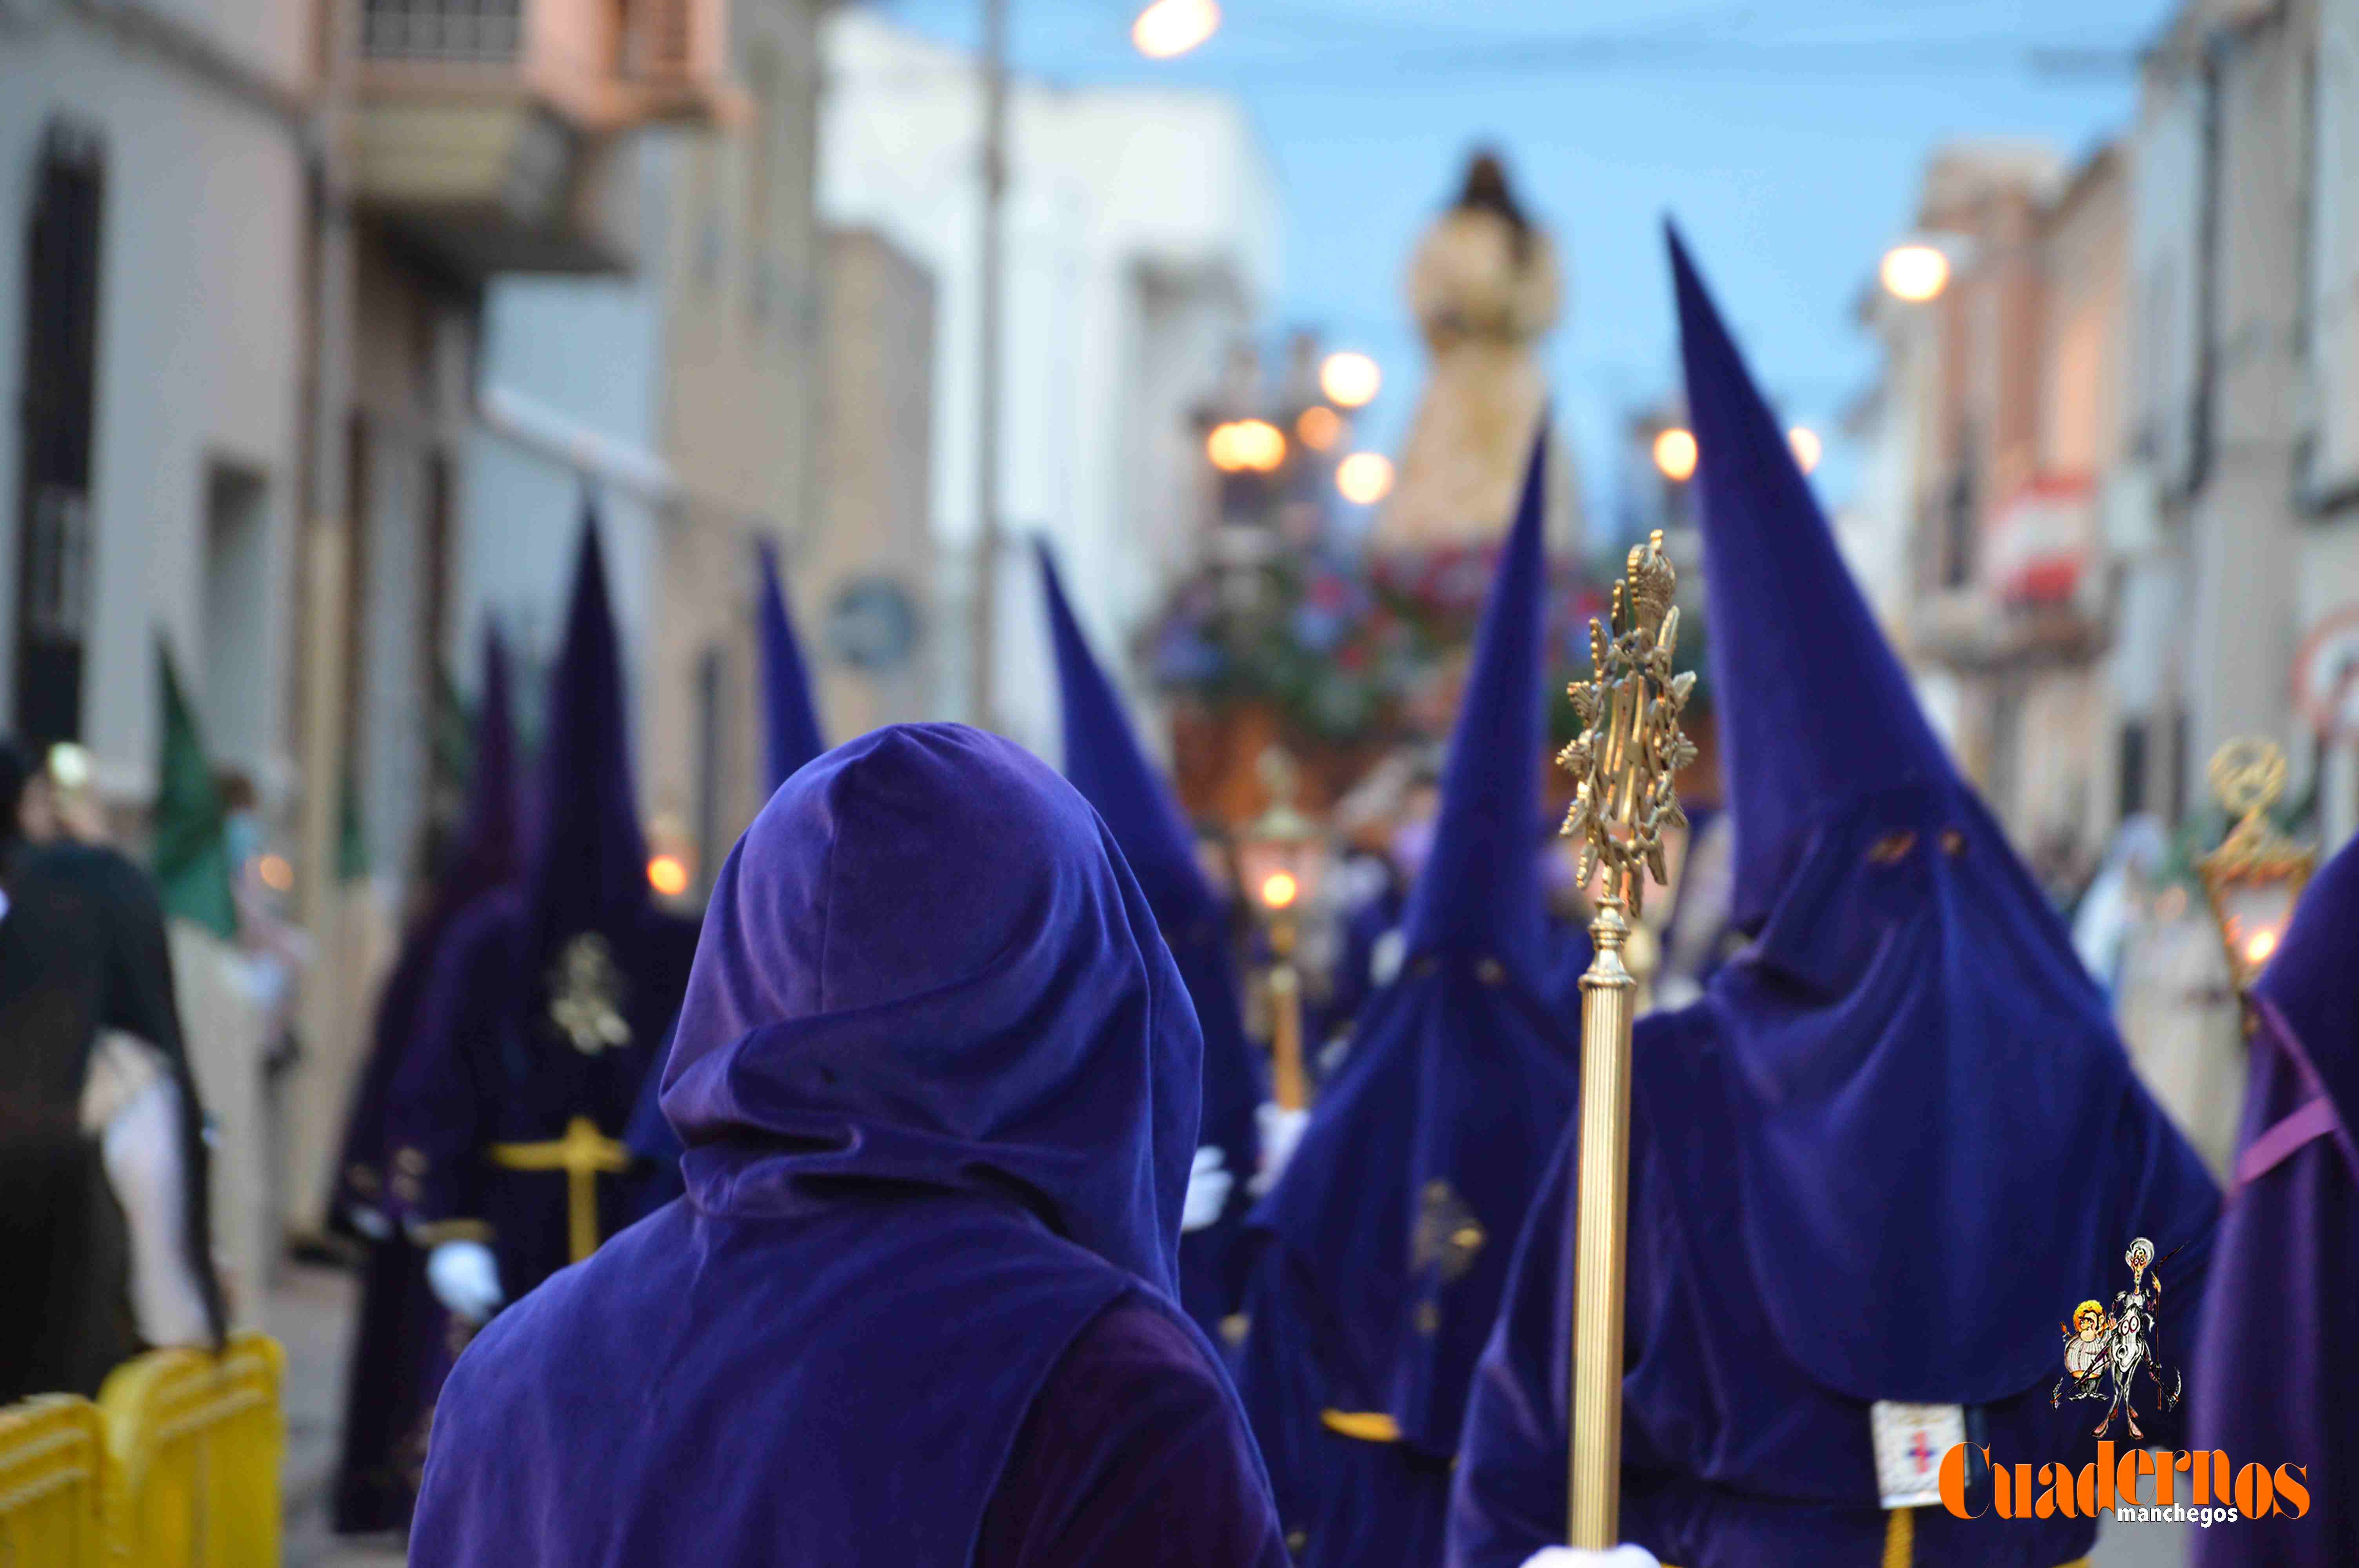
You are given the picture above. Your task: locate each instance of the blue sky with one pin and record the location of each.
(1785, 139)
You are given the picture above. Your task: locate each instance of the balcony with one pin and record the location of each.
(2036, 591)
(491, 133)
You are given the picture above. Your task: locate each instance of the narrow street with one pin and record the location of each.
(311, 1312)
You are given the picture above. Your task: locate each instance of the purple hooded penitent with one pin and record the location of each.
(1888, 1152)
(549, 999)
(2278, 1380)
(399, 1347)
(1103, 762)
(1383, 1251)
(938, 1077)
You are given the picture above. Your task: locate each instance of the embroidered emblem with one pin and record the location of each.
(585, 994)
(1448, 1236)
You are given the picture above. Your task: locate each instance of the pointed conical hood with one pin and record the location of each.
(1936, 1132)
(1105, 763)
(1480, 885)
(1780, 603)
(1425, 1150)
(589, 857)
(790, 734)
(489, 850)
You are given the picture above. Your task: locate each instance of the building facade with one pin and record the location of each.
(1991, 440)
(1141, 241)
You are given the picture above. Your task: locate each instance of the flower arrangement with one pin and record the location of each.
(1352, 650)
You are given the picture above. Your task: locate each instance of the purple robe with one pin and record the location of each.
(937, 1075)
(1384, 1249)
(1883, 1157)
(402, 1343)
(549, 999)
(2277, 1382)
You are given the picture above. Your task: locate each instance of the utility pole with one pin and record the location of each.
(988, 546)
(324, 567)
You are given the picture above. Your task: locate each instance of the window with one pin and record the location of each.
(237, 582)
(473, 30)
(2134, 784)
(60, 397)
(1958, 519)
(712, 754)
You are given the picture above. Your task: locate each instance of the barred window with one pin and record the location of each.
(486, 30)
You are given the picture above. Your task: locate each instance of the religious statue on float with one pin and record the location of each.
(1486, 287)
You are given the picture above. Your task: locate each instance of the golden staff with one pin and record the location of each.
(1625, 763)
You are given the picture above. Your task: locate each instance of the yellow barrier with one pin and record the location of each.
(52, 1483)
(195, 1444)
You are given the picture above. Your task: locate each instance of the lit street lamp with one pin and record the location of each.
(2256, 873)
(1365, 478)
(1170, 28)
(1242, 444)
(1914, 272)
(1675, 454)
(1349, 380)
(1807, 448)
(1280, 857)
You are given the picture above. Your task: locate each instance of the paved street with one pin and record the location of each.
(310, 1313)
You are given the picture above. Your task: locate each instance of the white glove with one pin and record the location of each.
(1623, 1556)
(1281, 1130)
(369, 1222)
(1208, 1189)
(465, 1278)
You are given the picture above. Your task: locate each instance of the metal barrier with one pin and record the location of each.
(53, 1484)
(195, 1443)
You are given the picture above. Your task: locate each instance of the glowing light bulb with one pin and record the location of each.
(1807, 448)
(2260, 945)
(1170, 28)
(1319, 427)
(1914, 273)
(276, 873)
(1351, 379)
(668, 874)
(1365, 478)
(1259, 445)
(1279, 889)
(1675, 453)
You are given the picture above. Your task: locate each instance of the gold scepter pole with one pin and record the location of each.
(1626, 764)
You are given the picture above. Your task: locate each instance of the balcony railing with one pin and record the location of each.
(473, 31)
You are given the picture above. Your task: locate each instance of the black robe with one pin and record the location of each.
(82, 949)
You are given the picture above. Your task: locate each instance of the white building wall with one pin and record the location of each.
(1105, 186)
(570, 383)
(200, 359)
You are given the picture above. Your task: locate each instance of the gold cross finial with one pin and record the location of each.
(1626, 761)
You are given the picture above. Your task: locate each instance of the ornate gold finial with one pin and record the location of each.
(2255, 875)
(2248, 775)
(585, 993)
(1625, 763)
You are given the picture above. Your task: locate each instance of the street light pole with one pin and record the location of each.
(987, 388)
